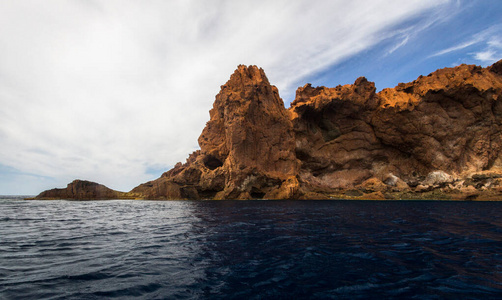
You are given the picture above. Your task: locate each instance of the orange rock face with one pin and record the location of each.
(436, 136)
(248, 142)
(247, 147)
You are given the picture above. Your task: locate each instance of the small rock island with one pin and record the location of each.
(438, 137)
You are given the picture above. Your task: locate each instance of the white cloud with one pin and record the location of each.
(489, 40)
(403, 42)
(492, 50)
(403, 34)
(486, 56)
(461, 46)
(105, 90)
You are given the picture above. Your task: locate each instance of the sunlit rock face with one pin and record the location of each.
(249, 138)
(247, 147)
(438, 136)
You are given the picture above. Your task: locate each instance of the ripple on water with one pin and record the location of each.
(252, 250)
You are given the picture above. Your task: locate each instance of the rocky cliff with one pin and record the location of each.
(247, 148)
(436, 137)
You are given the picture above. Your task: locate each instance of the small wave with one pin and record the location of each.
(135, 291)
(89, 276)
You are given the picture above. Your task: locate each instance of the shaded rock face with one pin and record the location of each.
(82, 190)
(438, 135)
(449, 120)
(334, 137)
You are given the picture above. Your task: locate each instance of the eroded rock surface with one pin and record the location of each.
(438, 128)
(436, 137)
(247, 148)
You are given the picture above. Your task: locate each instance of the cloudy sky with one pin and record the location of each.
(118, 91)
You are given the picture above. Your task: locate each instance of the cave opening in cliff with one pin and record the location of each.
(256, 193)
(208, 194)
(212, 162)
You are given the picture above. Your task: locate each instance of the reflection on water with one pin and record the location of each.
(249, 249)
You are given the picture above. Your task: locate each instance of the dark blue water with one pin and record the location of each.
(250, 250)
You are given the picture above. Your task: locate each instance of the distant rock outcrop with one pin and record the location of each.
(439, 136)
(83, 190)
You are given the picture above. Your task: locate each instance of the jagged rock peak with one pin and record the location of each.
(249, 135)
(246, 98)
(247, 76)
(247, 148)
(361, 93)
(248, 83)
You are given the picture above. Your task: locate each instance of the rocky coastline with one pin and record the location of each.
(438, 137)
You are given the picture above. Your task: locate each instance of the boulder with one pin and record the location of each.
(437, 178)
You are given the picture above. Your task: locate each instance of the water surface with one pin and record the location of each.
(250, 249)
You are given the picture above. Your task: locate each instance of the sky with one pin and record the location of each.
(118, 91)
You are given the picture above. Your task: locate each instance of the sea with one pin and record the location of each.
(129, 249)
